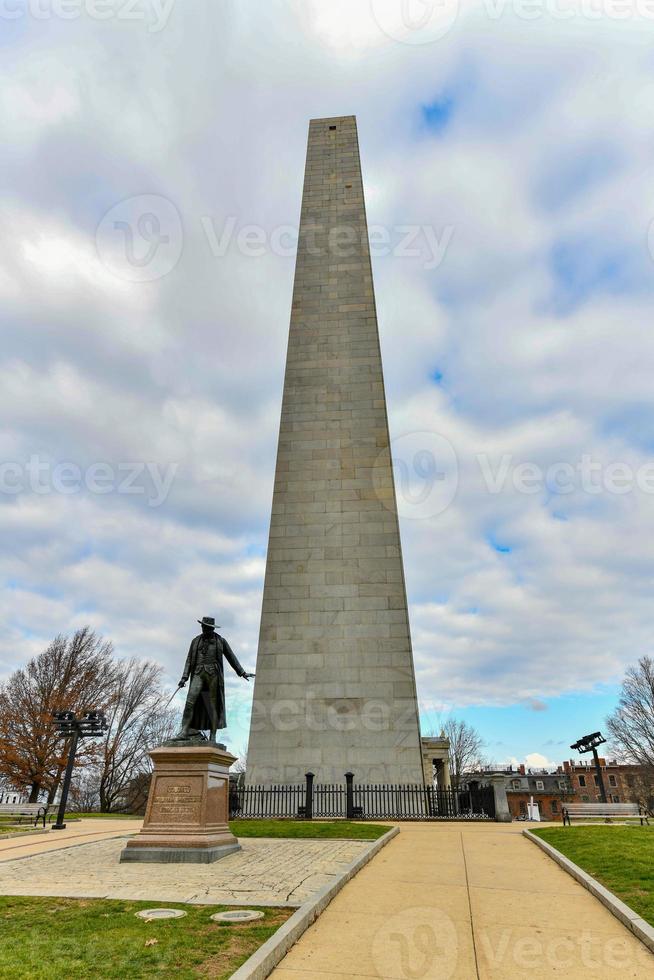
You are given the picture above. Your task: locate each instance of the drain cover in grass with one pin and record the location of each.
(238, 915)
(160, 914)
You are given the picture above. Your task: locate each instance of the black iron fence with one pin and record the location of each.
(408, 801)
(265, 801)
(329, 800)
(415, 802)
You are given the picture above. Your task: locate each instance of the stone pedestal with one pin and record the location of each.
(188, 808)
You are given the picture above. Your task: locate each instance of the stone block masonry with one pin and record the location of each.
(335, 686)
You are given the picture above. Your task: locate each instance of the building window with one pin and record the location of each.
(540, 784)
(615, 799)
(585, 798)
(582, 780)
(596, 778)
(555, 806)
(562, 785)
(516, 784)
(613, 781)
(523, 807)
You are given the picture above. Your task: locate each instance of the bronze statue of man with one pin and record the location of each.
(205, 701)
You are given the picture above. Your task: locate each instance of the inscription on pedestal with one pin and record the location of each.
(176, 802)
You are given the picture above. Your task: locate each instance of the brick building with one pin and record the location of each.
(546, 790)
(575, 781)
(526, 788)
(623, 783)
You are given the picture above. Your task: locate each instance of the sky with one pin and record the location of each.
(151, 185)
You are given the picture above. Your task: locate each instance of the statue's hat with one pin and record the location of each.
(208, 621)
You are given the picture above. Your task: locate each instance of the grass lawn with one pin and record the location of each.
(620, 857)
(42, 938)
(334, 829)
(20, 829)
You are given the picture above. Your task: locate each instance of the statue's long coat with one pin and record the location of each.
(201, 719)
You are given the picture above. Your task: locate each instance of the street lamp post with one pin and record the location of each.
(68, 725)
(589, 743)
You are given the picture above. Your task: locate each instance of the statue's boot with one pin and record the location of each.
(185, 730)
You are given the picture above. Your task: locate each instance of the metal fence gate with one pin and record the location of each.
(403, 801)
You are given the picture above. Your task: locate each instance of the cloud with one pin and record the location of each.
(536, 323)
(533, 760)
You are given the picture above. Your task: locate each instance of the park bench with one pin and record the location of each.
(603, 811)
(35, 811)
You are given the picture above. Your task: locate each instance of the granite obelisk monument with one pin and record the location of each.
(335, 686)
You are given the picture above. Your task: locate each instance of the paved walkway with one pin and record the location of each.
(264, 872)
(76, 832)
(465, 900)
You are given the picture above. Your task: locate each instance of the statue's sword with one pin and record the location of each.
(176, 691)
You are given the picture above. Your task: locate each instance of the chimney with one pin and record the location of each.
(521, 770)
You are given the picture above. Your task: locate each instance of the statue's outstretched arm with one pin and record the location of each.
(232, 660)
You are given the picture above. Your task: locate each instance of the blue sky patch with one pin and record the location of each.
(436, 116)
(584, 267)
(518, 729)
(502, 549)
(575, 174)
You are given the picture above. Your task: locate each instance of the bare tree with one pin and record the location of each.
(631, 726)
(83, 796)
(137, 723)
(72, 674)
(137, 790)
(466, 745)
(241, 764)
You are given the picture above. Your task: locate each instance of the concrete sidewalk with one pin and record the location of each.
(465, 900)
(277, 872)
(81, 832)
